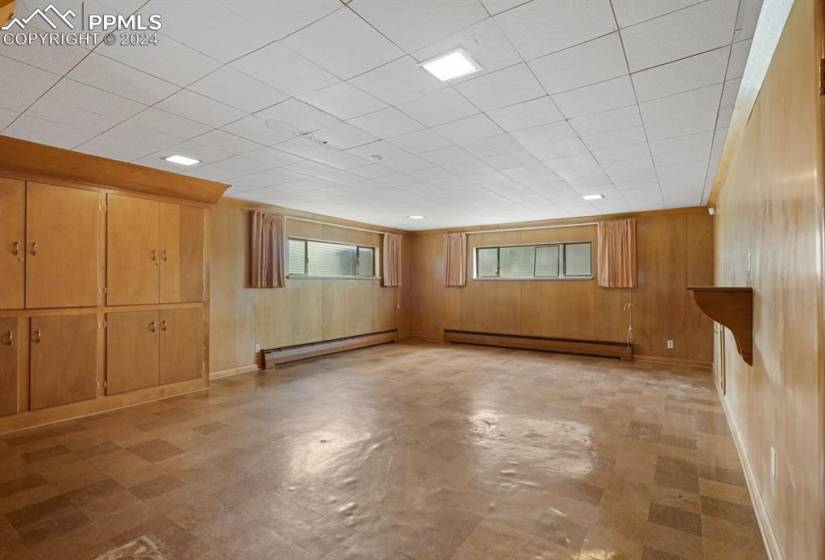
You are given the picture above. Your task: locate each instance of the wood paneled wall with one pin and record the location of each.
(307, 310)
(675, 250)
(769, 235)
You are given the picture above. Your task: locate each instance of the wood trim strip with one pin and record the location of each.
(620, 350)
(234, 371)
(276, 356)
(20, 157)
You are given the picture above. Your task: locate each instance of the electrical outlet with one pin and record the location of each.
(670, 344)
(257, 347)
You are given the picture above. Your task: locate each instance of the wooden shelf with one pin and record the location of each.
(733, 308)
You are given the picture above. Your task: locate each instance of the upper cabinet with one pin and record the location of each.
(12, 239)
(62, 246)
(155, 252)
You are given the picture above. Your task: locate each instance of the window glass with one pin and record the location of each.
(487, 262)
(517, 262)
(366, 261)
(297, 256)
(331, 259)
(577, 259)
(547, 261)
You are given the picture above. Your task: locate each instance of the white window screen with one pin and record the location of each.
(297, 256)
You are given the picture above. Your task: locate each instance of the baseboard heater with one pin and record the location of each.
(276, 356)
(562, 345)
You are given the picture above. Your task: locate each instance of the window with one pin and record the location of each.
(328, 259)
(562, 260)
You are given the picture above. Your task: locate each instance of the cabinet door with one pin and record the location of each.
(64, 355)
(181, 254)
(182, 345)
(9, 350)
(131, 351)
(62, 246)
(12, 239)
(132, 255)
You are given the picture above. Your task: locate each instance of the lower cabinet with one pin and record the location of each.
(63, 354)
(9, 364)
(131, 351)
(149, 348)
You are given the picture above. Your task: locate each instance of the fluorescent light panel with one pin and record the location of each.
(182, 160)
(416, 217)
(454, 64)
(593, 196)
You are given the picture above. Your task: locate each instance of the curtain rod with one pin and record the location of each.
(559, 226)
(320, 223)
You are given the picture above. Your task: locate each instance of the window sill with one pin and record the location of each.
(534, 279)
(304, 277)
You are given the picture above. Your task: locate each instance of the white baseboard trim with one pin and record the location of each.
(769, 539)
(234, 371)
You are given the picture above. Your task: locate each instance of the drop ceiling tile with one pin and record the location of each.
(421, 141)
(556, 150)
(7, 117)
(201, 152)
(169, 124)
(486, 43)
(21, 84)
(497, 6)
(74, 95)
(681, 126)
(738, 59)
(701, 100)
(545, 26)
(308, 149)
(639, 169)
(545, 134)
(491, 145)
(198, 108)
(272, 156)
(397, 82)
(283, 69)
(467, 129)
(691, 73)
(595, 61)
(34, 128)
(232, 143)
(621, 153)
(595, 98)
(168, 60)
(724, 117)
(343, 136)
(730, 92)
(386, 123)
(322, 43)
(614, 138)
(682, 149)
(344, 101)
(236, 89)
(439, 107)
(630, 12)
(227, 169)
(502, 88)
(258, 130)
(527, 114)
(114, 77)
(128, 142)
(749, 11)
(297, 116)
(413, 25)
(57, 60)
(614, 119)
(699, 28)
(284, 16)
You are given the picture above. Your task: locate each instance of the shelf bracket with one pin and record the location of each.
(732, 308)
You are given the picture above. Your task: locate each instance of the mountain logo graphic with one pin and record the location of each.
(43, 15)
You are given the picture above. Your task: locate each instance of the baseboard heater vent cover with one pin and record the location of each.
(275, 356)
(562, 345)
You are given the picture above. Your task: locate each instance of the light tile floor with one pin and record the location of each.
(406, 451)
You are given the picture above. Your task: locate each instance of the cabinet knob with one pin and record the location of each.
(163, 255)
(154, 255)
(33, 248)
(163, 325)
(37, 336)
(15, 248)
(9, 339)
(153, 326)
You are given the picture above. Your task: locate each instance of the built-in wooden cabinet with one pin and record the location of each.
(12, 240)
(9, 365)
(182, 348)
(131, 351)
(101, 295)
(155, 252)
(64, 350)
(62, 246)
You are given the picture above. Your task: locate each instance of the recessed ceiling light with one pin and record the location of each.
(593, 196)
(182, 160)
(416, 217)
(454, 64)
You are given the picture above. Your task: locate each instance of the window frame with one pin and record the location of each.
(306, 276)
(562, 262)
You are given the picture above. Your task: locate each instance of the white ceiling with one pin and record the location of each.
(627, 98)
